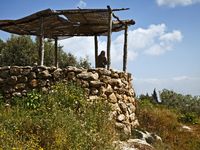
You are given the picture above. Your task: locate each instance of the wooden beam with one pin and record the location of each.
(125, 48)
(96, 49)
(41, 46)
(109, 36)
(56, 53)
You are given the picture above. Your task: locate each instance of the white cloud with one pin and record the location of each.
(81, 4)
(181, 84)
(173, 3)
(180, 78)
(154, 40)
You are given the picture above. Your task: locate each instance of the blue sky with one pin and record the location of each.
(163, 46)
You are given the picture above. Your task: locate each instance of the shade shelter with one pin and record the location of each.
(60, 24)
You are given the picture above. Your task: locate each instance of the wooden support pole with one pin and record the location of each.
(56, 53)
(96, 49)
(109, 36)
(125, 48)
(41, 46)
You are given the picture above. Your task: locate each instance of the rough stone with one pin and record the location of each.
(57, 74)
(15, 70)
(20, 86)
(96, 84)
(120, 125)
(112, 98)
(121, 117)
(103, 71)
(88, 76)
(12, 80)
(34, 83)
(94, 91)
(123, 106)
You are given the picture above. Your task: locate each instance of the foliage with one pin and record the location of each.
(56, 123)
(188, 118)
(167, 122)
(184, 103)
(23, 50)
(19, 50)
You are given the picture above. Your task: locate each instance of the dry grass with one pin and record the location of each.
(163, 122)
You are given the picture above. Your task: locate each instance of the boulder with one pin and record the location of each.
(88, 76)
(112, 98)
(121, 118)
(96, 84)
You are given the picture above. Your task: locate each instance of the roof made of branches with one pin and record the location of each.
(66, 23)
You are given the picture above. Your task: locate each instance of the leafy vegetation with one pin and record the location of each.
(23, 50)
(167, 118)
(60, 120)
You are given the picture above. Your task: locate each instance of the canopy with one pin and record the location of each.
(65, 23)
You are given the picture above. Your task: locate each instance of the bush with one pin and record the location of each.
(60, 120)
(191, 118)
(163, 121)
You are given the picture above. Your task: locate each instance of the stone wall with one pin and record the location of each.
(115, 87)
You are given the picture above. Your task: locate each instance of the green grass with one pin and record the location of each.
(60, 120)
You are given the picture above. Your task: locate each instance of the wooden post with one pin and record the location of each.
(109, 36)
(96, 50)
(41, 46)
(56, 53)
(125, 48)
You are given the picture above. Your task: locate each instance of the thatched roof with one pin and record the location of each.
(65, 23)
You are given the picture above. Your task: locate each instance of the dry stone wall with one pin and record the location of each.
(113, 86)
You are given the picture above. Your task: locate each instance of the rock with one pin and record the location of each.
(186, 128)
(74, 69)
(57, 74)
(4, 73)
(94, 91)
(88, 76)
(70, 75)
(132, 117)
(22, 79)
(1, 81)
(20, 86)
(93, 97)
(114, 75)
(103, 71)
(121, 118)
(33, 83)
(15, 70)
(122, 106)
(109, 90)
(12, 80)
(115, 82)
(84, 84)
(112, 98)
(18, 94)
(150, 138)
(44, 74)
(32, 75)
(115, 107)
(131, 108)
(26, 71)
(119, 125)
(96, 84)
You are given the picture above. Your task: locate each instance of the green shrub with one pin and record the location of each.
(59, 120)
(188, 118)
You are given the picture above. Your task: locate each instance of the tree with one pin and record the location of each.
(154, 96)
(2, 45)
(23, 50)
(19, 50)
